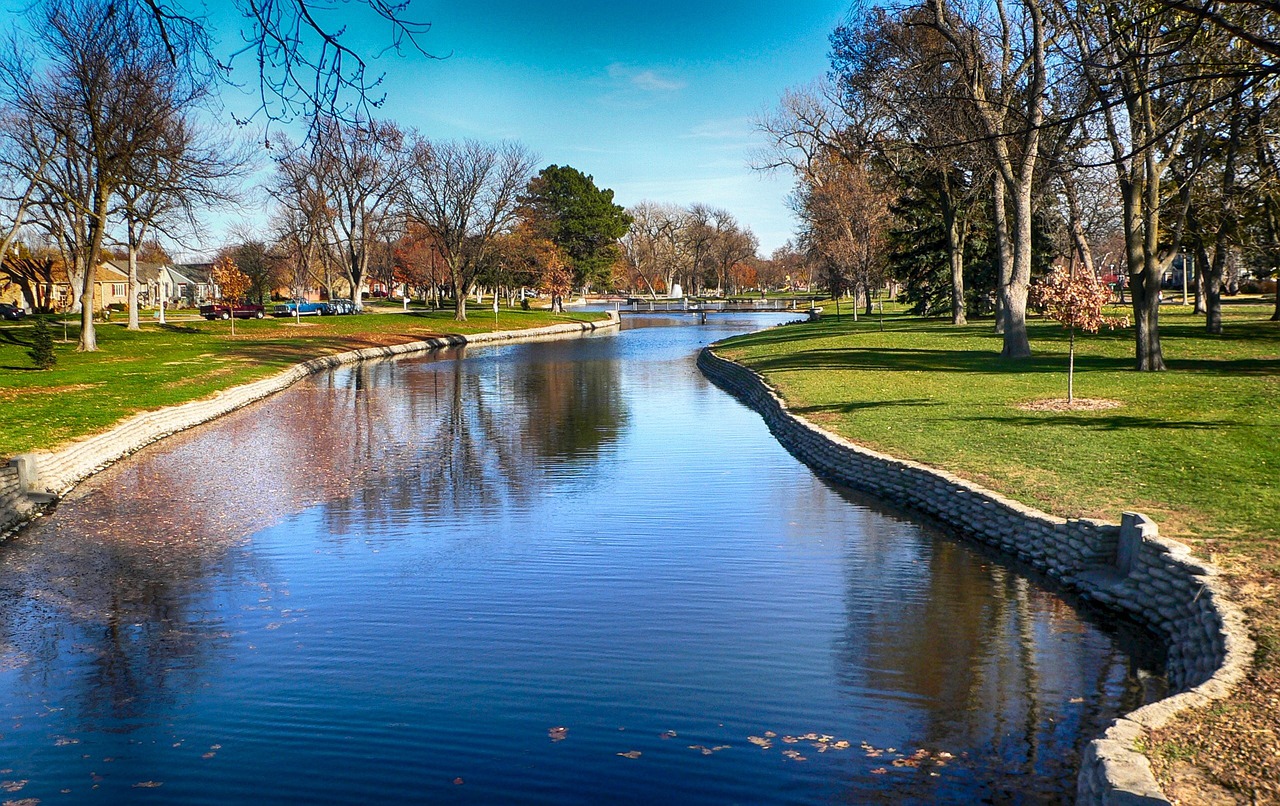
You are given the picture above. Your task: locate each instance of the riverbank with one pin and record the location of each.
(185, 360)
(34, 480)
(1189, 447)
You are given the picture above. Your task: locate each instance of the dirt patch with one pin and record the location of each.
(14, 394)
(1079, 404)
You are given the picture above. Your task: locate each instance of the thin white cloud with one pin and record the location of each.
(727, 129)
(649, 80)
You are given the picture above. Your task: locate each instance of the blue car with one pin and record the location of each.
(299, 307)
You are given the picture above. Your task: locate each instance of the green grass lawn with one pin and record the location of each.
(159, 366)
(1196, 447)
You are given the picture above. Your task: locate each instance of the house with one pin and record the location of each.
(197, 278)
(111, 287)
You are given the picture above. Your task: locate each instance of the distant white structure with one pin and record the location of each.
(676, 291)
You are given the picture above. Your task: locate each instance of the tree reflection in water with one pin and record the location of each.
(120, 584)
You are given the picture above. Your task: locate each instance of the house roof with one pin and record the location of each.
(196, 272)
(147, 272)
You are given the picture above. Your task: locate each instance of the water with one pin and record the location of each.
(392, 582)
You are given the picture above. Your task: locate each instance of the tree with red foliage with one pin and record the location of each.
(1075, 300)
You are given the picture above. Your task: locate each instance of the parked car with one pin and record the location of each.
(300, 307)
(222, 310)
(11, 312)
(338, 307)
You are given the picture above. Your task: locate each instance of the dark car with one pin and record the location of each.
(11, 312)
(225, 311)
(338, 307)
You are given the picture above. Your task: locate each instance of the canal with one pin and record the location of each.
(562, 572)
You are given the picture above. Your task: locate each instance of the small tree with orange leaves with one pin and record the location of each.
(232, 283)
(1075, 300)
(556, 277)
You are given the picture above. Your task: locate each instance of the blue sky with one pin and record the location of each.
(655, 99)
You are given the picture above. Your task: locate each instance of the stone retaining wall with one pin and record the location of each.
(33, 480)
(1127, 568)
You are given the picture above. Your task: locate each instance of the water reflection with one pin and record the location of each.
(405, 573)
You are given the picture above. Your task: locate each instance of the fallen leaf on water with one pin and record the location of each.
(790, 739)
(879, 771)
(210, 754)
(558, 734)
(63, 741)
(148, 784)
(760, 741)
(630, 754)
(458, 781)
(768, 734)
(706, 751)
(841, 745)
(720, 747)
(23, 802)
(794, 755)
(13, 786)
(669, 734)
(215, 747)
(1075, 700)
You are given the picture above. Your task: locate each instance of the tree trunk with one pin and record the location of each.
(1016, 344)
(1212, 281)
(1071, 368)
(89, 337)
(955, 254)
(1004, 254)
(133, 287)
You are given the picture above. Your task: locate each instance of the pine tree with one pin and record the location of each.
(41, 351)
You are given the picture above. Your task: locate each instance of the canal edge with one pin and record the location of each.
(32, 482)
(1126, 568)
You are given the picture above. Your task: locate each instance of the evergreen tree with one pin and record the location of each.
(564, 206)
(41, 351)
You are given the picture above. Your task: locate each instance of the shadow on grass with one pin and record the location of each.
(1105, 422)
(8, 337)
(168, 328)
(845, 408)
(926, 360)
(23, 369)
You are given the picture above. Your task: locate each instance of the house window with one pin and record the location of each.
(119, 289)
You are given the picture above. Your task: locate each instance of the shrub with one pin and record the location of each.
(41, 351)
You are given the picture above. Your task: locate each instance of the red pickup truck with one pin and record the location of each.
(222, 310)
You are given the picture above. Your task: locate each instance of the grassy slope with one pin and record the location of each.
(160, 366)
(1196, 447)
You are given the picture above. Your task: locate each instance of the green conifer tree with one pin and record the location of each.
(41, 351)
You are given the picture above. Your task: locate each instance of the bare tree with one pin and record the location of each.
(178, 169)
(466, 194)
(1001, 50)
(99, 59)
(1132, 58)
(365, 166)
